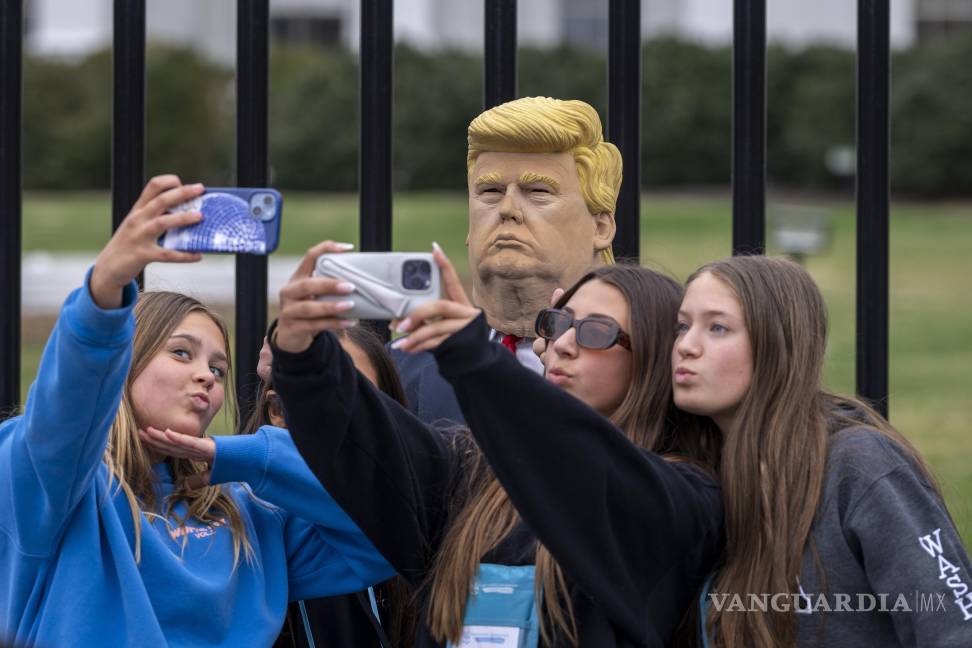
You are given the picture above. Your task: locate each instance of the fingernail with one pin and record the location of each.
(345, 246)
(198, 185)
(345, 287)
(344, 305)
(348, 323)
(397, 344)
(435, 246)
(404, 325)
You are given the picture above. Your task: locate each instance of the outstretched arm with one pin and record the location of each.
(625, 524)
(48, 456)
(630, 527)
(319, 534)
(384, 467)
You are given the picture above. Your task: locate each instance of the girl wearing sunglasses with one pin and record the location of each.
(576, 510)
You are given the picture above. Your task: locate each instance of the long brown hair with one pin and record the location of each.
(774, 456)
(485, 516)
(157, 315)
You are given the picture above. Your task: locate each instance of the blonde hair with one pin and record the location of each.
(546, 125)
(157, 314)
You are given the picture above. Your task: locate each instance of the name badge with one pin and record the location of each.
(490, 637)
(501, 611)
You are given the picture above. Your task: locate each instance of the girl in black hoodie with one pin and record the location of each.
(579, 513)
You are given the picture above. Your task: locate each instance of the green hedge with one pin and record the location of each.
(686, 115)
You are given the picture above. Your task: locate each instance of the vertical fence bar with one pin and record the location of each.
(375, 166)
(375, 156)
(499, 53)
(749, 127)
(252, 84)
(127, 109)
(873, 187)
(624, 119)
(11, 92)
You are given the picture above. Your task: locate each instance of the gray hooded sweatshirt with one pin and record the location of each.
(895, 572)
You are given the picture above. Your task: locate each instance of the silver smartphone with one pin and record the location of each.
(388, 285)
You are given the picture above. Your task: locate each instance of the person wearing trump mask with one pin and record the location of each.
(543, 185)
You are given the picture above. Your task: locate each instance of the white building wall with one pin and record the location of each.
(209, 26)
(792, 22)
(539, 22)
(67, 28)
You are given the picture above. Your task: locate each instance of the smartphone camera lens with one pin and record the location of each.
(416, 275)
(263, 206)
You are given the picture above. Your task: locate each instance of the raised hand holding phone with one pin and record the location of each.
(135, 243)
(302, 314)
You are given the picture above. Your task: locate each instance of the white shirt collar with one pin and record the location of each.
(524, 352)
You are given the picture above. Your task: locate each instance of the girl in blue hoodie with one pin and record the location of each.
(105, 539)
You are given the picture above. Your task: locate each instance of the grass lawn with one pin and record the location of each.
(931, 298)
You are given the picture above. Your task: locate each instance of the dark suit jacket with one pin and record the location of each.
(429, 396)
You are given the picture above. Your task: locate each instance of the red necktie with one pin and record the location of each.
(509, 341)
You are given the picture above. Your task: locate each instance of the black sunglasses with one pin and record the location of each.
(595, 332)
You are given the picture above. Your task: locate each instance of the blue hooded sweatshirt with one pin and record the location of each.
(68, 575)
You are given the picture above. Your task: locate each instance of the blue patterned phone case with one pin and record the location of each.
(236, 220)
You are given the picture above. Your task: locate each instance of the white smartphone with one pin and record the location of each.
(388, 285)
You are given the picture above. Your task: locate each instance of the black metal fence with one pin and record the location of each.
(375, 186)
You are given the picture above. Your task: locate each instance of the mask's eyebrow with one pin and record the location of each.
(488, 179)
(529, 177)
